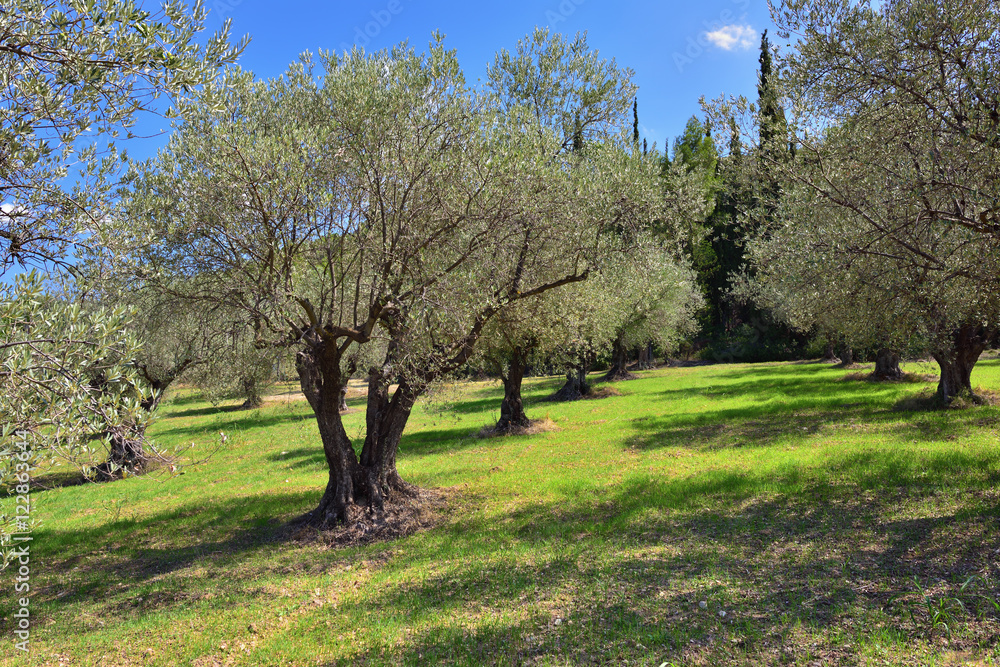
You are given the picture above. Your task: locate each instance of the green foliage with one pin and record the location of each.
(695, 149)
(435, 235)
(877, 226)
(561, 80)
(635, 121)
(66, 384)
(649, 295)
(74, 72)
(772, 124)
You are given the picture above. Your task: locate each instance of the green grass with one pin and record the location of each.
(823, 519)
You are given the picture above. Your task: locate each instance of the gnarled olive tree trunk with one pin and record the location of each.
(251, 394)
(354, 484)
(846, 354)
(619, 362)
(126, 454)
(576, 385)
(512, 415)
(127, 450)
(647, 359)
(957, 361)
(887, 365)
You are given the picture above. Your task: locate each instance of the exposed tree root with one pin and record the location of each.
(927, 402)
(618, 375)
(402, 514)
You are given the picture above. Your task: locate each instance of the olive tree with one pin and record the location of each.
(641, 293)
(77, 72)
(889, 198)
(652, 297)
(175, 337)
(383, 204)
(53, 409)
(74, 74)
(236, 366)
(581, 99)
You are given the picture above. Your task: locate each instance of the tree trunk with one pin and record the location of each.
(619, 361)
(386, 419)
(251, 394)
(957, 361)
(354, 485)
(127, 452)
(126, 455)
(343, 398)
(318, 367)
(576, 386)
(647, 360)
(846, 356)
(830, 355)
(887, 365)
(512, 415)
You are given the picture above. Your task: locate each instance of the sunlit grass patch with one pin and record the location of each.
(799, 508)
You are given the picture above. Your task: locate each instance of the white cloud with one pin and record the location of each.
(733, 37)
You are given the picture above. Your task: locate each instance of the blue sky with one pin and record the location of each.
(679, 50)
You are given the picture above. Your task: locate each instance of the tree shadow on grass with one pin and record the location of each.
(628, 565)
(208, 410)
(776, 408)
(648, 605)
(414, 444)
(629, 569)
(252, 419)
(116, 559)
(188, 398)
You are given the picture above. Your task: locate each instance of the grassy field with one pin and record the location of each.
(738, 514)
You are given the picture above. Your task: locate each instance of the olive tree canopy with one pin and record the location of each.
(75, 75)
(886, 214)
(380, 205)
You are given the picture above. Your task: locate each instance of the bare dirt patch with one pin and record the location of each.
(402, 515)
(602, 392)
(929, 401)
(536, 426)
(355, 389)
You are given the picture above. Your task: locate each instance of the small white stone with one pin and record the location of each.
(703, 604)
(722, 614)
(558, 621)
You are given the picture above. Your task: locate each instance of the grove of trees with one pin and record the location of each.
(378, 216)
(76, 76)
(880, 225)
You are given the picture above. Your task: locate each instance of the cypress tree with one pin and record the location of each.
(771, 116)
(635, 121)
